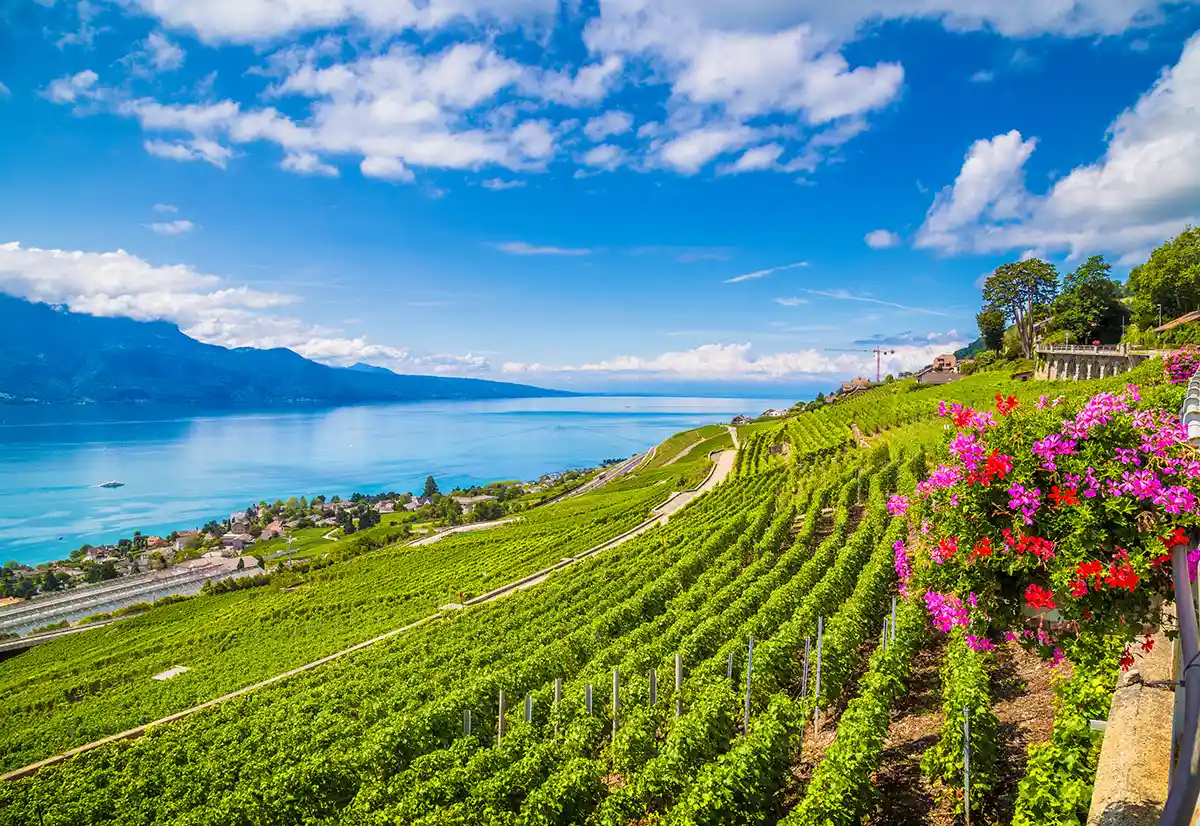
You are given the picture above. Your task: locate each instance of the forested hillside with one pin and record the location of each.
(802, 542)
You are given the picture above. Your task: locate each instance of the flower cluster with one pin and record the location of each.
(1181, 365)
(903, 565)
(1051, 514)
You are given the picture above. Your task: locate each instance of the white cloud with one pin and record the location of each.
(846, 295)
(80, 86)
(750, 276)
(158, 54)
(991, 186)
(739, 361)
(5, 91)
(610, 123)
(198, 149)
(605, 156)
(165, 208)
(307, 163)
(754, 160)
(389, 169)
(1145, 188)
(983, 76)
(791, 302)
(204, 306)
(522, 248)
(693, 150)
(501, 184)
(178, 227)
(878, 239)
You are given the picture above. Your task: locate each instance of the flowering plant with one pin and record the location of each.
(1052, 519)
(1180, 365)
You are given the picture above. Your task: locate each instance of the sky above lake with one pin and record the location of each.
(596, 195)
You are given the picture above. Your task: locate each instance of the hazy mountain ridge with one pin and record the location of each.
(52, 356)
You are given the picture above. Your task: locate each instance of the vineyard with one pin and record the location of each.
(752, 661)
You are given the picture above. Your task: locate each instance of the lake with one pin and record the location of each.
(181, 471)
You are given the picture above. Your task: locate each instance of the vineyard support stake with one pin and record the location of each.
(817, 688)
(749, 672)
(729, 669)
(557, 700)
(500, 725)
(967, 765)
(804, 681)
(587, 698)
(616, 693)
(653, 686)
(467, 722)
(883, 637)
(893, 639)
(678, 684)
(528, 708)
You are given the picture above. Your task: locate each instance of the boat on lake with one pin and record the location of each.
(112, 484)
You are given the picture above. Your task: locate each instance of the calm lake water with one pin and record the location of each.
(180, 471)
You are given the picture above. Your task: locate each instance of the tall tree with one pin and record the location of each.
(1019, 290)
(1170, 280)
(1089, 307)
(991, 327)
(431, 488)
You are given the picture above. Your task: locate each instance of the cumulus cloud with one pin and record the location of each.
(165, 208)
(755, 160)
(157, 54)
(198, 149)
(499, 184)
(204, 306)
(522, 248)
(605, 156)
(178, 227)
(610, 123)
(878, 239)
(1145, 188)
(307, 163)
(79, 86)
(740, 361)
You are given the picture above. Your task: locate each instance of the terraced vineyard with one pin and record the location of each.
(796, 546)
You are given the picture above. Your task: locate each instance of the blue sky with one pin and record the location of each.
(576, 194)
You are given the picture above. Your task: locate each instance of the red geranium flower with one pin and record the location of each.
(1176, 537)
(1087, 570)
(1006, 406)
(1122, 576)
(1039, 597)
(1126, 660)
(1063, 497)
(1079, 588)
(1148, 644)
(982, 548)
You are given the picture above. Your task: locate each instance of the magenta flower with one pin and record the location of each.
(1025, 500)
(980, 644)
(898, 505)
(947, 610)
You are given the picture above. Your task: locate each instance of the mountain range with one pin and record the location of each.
(53, 356)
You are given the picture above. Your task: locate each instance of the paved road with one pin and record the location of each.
(721, 469)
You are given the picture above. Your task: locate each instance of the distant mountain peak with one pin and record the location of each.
(54, 356)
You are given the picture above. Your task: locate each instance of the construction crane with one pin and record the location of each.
(879, 352)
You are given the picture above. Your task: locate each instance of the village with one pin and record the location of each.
(280, 534)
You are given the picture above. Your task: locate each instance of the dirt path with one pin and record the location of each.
(917, 719)
(474, 526)
(858, 436)
(1024, 703)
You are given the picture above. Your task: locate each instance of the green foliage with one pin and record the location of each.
(1089, 307)
(1057, 787)
(431, 488)
(965, 685)
(992, 323)
(1170, 280)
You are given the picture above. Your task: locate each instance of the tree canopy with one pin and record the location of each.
(1019, 290)
(1170, 279)
(1089, 307)
(992, 324)
(431, 488)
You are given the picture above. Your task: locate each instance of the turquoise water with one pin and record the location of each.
(180, 471)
